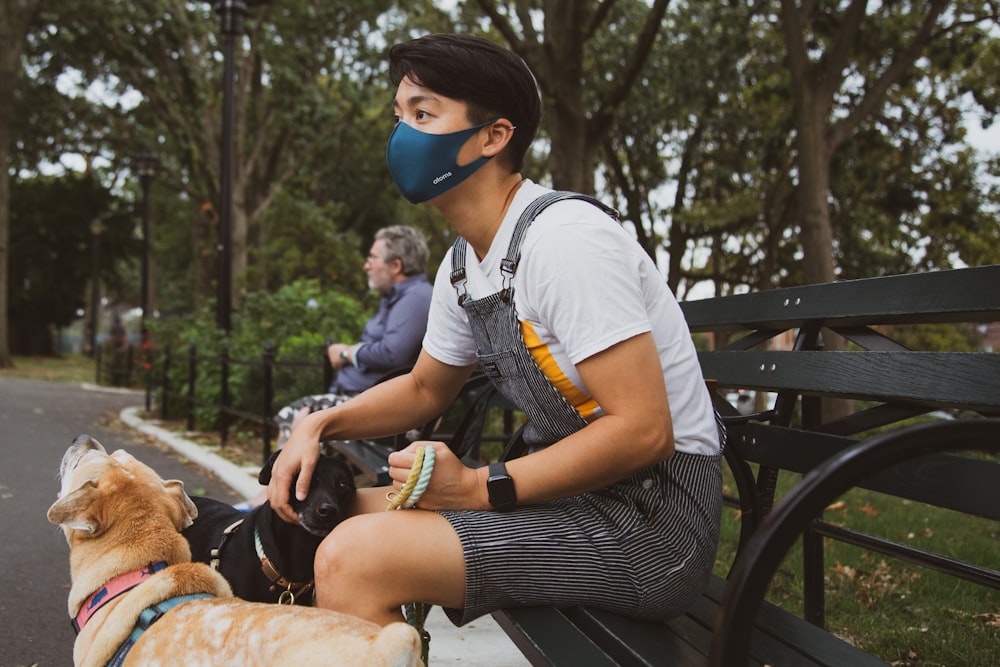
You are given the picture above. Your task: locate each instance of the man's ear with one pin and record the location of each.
(500, 133)
(77, 510)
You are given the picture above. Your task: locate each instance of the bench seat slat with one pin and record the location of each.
(546, 637)
(785, 639)
(633, 643)
(368, 456)
(969, 380)
(580, 636)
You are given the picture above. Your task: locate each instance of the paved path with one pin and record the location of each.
(38, 420)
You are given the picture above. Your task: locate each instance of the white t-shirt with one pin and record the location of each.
(583, 284)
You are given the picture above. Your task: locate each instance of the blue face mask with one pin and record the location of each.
(424, 165)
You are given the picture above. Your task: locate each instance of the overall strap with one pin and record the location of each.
(508, 265)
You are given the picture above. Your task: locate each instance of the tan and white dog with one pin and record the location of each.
(138, 600)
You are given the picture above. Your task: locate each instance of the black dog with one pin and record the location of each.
(263, 558)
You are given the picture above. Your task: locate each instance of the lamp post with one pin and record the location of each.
(231, 14)
(95, 291)
(145, 166)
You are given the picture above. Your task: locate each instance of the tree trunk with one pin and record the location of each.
(814, 211)
(15, 17)
(204, 244)
(558, 58)
(239, 244)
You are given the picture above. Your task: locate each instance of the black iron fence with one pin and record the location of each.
(172, 389)
(187, 392)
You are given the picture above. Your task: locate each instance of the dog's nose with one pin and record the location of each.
(84, 440)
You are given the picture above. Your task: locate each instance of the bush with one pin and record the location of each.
(297, 319)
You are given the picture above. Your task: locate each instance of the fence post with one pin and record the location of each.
(97, 364)
(268, 397)
(128, 365)
(192, 375)
(327, 368)
(148, 377)
(166, 381)
(224, 395)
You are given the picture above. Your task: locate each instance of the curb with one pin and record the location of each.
(242, 480)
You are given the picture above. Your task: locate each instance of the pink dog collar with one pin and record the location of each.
(109, 591)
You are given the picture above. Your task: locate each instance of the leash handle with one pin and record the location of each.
(416, 482)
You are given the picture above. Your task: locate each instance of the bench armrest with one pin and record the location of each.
(762, 554)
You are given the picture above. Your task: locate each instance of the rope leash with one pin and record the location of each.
(414, 487)
(416, 482)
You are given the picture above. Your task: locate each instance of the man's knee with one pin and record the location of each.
(349, 550)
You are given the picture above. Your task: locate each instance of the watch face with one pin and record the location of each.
(500, 487)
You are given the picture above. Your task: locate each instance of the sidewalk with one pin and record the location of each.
(481, 643)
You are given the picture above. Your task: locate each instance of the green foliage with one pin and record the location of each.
(296, 320)
(700, 156)
(937, 337)
(302, 241)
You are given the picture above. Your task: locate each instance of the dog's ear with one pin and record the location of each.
(77, 510)
(183, 511)
(265, 473)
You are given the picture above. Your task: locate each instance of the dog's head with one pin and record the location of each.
(100, 492)
(330, 494)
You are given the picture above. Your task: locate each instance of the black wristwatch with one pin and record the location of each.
(500, 487)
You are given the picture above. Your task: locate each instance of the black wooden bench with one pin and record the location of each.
(912, 412)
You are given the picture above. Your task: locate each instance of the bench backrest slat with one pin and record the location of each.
(962, 380)
(960, 295)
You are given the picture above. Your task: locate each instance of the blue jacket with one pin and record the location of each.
(392, 338)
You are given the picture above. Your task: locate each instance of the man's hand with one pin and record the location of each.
(296, 463)
(334, 351)
(453, 485)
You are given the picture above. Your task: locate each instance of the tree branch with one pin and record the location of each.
(840, 53)
(604, 113)
(876, 93)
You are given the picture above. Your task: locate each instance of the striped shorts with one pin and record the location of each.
(643, 547)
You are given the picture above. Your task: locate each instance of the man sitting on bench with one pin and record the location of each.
(396, 268)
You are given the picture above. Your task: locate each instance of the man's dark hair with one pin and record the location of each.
(494, 82)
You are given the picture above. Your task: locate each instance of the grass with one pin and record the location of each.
(901, 613)
(67, 368)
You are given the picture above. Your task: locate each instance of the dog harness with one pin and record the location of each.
(123, 583)
(147, 617)
(120, 585)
